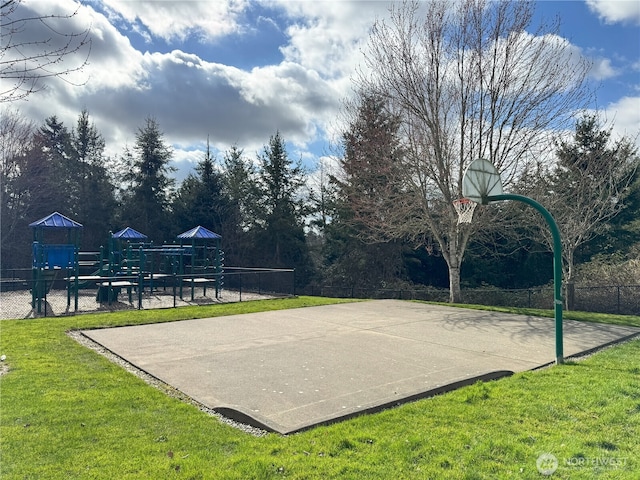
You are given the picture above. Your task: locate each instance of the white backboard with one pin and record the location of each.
(481, 180)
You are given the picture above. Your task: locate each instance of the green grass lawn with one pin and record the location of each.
(67, 412)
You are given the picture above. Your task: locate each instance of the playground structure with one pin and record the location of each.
(49, 259)
(127, 262)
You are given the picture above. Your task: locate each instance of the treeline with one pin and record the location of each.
(257, 206)
(270, 213)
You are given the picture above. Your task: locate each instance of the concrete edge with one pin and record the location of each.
(240, 416)
(237, 414)
(593, 350)
(590, 351)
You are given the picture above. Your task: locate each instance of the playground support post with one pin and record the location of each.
(141, 286)
(557, 262)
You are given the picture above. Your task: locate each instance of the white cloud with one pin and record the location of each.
(571, 57)
(601, 69)
(177, 20)
(53, 40)
(328, 38)
(185, 161)
(624, 115)
(614, 11)
(189, 97)
(192, 98)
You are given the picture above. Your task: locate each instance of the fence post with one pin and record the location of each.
(175, 280)
(618, 304)
(45, 296)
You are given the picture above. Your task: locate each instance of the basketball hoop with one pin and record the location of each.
(465, 209)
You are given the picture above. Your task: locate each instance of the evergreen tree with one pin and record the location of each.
(281, 217)
(587, 188)
(41, 182)
(48, 178)
(146, 204)
(94, 192)
(200, 200)
(624, 232)
(241, 190)
(372, 149)
(322, 197)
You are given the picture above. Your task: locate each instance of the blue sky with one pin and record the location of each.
(238, 70)
(601, 38)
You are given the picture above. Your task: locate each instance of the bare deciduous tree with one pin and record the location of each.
(16, 135)
(36, 47)
(586, 187)
(467, 80)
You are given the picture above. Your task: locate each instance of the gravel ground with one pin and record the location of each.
(17, 304)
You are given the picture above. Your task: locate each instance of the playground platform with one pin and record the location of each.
(289, 370)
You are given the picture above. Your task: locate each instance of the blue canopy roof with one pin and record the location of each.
(129, 234)
(55, 220)
(199, 232)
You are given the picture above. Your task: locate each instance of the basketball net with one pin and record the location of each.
(465, 208)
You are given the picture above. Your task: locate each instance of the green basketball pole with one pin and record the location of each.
(557, 262)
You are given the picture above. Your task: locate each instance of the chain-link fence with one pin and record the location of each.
(23, 294)
(619, 299)
(623, 299)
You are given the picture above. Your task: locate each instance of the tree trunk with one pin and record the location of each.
(570, 295)
(568, 285)
(455, 294)
(453, 252)
(453, 249)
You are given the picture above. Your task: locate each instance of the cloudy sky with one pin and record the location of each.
(238, 70)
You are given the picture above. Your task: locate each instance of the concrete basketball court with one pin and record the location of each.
(289, 370)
